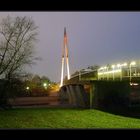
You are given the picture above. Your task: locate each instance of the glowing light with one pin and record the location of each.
(124, 64)
(102, 68)
(133, 63)
(118, 65)
(112, 71)
(27, 88)
(62, 72)
(113, 66)
(134, 84)
(68, 70)
(121, 65)
(65, 57)
(44, 84)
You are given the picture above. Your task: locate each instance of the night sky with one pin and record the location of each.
(93, 38)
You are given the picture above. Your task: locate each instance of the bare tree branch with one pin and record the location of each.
(16, 50)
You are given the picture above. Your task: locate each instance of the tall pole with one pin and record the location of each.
(79, 75)
(62, 72)
(133, 63)
(65, 58)
(113, 66)
(121, 75)
(62, 68)
(130, 72)
(66, 53)
(68, 71)
(67, 62)
(107, 73)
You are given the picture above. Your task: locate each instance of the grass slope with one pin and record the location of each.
(63, 118)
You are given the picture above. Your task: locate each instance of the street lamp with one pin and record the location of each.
(124, 64)
(45, 85)
(79, 75)
(113, 66)
(105, 70)
(27, 88)
(99, 72)
(120, 67)
(107, 73)
(133, 63)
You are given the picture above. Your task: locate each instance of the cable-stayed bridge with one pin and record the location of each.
(109, 85)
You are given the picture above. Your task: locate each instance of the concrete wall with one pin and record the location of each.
(74, 95)
(110, 94)
(102, 94)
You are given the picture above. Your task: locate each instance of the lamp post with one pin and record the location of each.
(45, 85)
(113, 66)
(123, 65)
(133, 63)
(120, 66)
(105, 71)
(28, 90)
(98, 71)
(79, 75)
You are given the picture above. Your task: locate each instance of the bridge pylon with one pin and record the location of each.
(65, 58)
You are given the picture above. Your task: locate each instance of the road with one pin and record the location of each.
(52, 99)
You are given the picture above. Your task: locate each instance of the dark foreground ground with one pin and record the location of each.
(47, 112)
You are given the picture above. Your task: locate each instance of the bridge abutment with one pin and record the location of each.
(74, 95)
(110, 94)
(101, 94)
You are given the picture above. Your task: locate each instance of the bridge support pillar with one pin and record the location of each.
(71, 95)
(81, 96)
(91, 96)
(74, 95)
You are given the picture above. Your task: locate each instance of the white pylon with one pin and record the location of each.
(62, 72)
(65, 58)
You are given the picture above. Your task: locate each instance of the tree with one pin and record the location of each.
(17, 38)
(28, 77)
(36, 79)
(45, 79)
(17, 44)
(94, 67)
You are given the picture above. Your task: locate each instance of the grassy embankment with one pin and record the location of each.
(64, 118)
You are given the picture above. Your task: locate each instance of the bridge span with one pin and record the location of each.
(103, 87)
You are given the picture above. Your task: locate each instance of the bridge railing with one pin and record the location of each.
(114, 72)
(83, 73)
